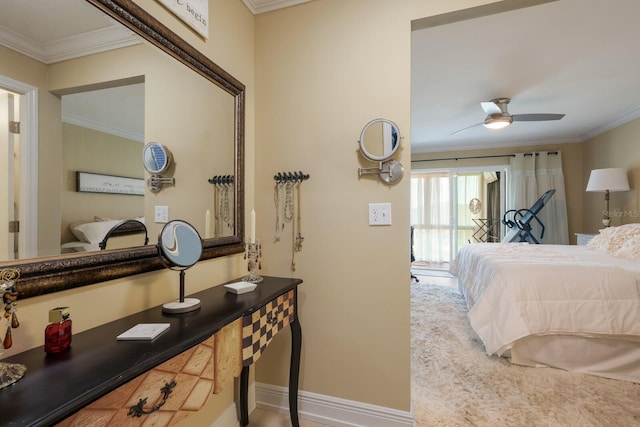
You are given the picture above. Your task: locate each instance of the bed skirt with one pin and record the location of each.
(610, 357)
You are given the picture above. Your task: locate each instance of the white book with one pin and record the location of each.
(144, 331)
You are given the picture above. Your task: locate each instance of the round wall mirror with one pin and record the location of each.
(180, 247)
(156, 158)
(379, 140)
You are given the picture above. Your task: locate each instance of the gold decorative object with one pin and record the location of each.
(9, 372)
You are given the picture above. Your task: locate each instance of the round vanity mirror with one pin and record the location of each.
(379, 140)
(156, 158)
(180, 247)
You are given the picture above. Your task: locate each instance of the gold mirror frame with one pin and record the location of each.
(40, 276)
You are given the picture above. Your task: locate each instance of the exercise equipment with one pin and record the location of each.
(519, 221)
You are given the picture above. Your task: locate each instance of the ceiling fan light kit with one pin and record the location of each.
(497, 121)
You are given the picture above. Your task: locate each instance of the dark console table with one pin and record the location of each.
(58, 387)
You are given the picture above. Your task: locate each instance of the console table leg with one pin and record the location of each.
(244, 396)
(294, 370)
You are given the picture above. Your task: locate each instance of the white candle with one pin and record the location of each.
(207, 224)
(253, 226)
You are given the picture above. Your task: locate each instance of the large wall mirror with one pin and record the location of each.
(85, 114)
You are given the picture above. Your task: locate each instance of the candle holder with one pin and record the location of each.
(253, 255)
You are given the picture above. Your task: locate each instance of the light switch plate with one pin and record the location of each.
(379, 213)
(162, 214)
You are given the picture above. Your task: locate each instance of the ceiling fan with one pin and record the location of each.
(498, 117)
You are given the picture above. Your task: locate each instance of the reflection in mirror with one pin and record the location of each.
(179, 247)
(126, 228)
(102, 134)
(202, 119)
(156, 159)
(379, 141)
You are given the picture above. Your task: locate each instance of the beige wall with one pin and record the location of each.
(88, 150)
(617, 148)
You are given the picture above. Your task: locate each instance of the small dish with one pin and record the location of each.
(240, 287)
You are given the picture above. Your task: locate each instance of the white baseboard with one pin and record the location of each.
(330, 410)
(230, 417)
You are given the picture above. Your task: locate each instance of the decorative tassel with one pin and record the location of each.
(8, 341)
(14, 321)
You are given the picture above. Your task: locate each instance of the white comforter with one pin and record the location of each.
(514, 290)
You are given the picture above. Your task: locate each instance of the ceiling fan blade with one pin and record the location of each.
(490, 108)
(468, 127)
(536, 117)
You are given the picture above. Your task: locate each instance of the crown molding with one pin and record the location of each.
(112, 37)
(262, 6)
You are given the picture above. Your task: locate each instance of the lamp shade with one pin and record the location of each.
(612, 179)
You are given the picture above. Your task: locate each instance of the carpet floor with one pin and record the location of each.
(455, 383)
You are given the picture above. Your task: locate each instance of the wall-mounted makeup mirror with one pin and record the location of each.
(379, 141)
(156, 159)
(153, 62)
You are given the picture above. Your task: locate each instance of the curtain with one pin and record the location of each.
(431, 216)
(532, 174)
(493, 206)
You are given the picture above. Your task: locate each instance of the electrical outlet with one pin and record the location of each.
(162, 214)
(379, 213)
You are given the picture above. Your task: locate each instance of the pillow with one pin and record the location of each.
(611, 239)
(630, 250)
(93, 232)
(598, 243)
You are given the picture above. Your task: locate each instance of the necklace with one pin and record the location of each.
(299, 239)
(288, 202)
(276, 202)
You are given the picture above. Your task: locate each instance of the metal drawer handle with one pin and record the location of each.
(272, 319)
(138, 409)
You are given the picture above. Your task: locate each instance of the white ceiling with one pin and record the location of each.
(576, 57)
(117, 111)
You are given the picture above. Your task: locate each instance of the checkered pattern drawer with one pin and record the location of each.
(259, 327)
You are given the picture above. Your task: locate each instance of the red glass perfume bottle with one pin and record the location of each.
(57, 334)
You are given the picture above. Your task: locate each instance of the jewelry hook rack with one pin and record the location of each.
(293, 177)
(222, 199)
(221, 179)
(289, 209)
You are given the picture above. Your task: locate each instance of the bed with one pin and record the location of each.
(570, 307)
(89, 235)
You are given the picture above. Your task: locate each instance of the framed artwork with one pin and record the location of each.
(195, 13)
(87, 182)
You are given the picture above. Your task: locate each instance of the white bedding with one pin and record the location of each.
(518, 290)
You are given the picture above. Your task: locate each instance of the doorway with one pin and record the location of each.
(451, 208)
(19, 161)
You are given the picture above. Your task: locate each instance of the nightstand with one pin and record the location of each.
(584, 238)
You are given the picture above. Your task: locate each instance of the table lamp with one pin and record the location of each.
(607, 180)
